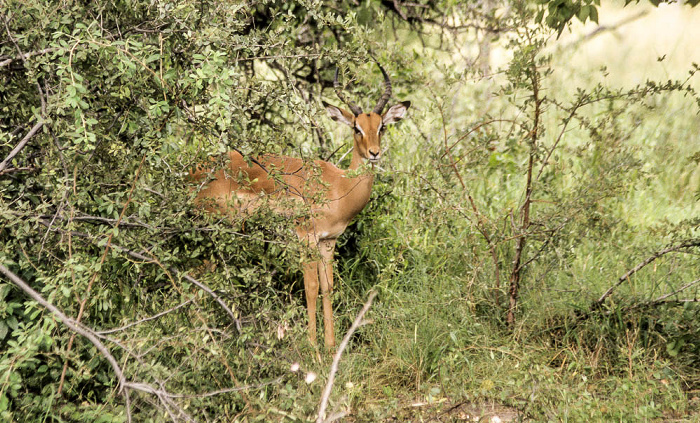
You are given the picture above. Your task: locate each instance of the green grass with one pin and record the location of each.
(436, 346)
(438, 338)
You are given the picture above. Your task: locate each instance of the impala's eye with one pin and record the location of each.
(358, 131)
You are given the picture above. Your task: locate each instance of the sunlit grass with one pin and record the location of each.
(438, 334)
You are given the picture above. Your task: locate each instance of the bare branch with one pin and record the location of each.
(139, 256)
(138, 322)
(75, 327)
(682, 245)
(27, 56)
(678, 302)
(600, 29)
(21, 144)
(108, 221)
(681, 289)
(336, 360)
(18, 169)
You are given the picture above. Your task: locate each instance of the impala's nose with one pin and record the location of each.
(374, 153)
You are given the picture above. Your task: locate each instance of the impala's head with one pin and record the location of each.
(369, 127)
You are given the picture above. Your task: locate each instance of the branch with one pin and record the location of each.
(107, 221)
(670, 294)
(685, 244)
(124, 385)
(603, 28)
(336, 360)
(225, 390)
(27, 56)
(138, 322)
(18, 169)
(677, 302)
(75, 327)
(21, 144)
(190, 279)
(139, 256)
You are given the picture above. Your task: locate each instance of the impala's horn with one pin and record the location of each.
(387, 92)
(353, 107)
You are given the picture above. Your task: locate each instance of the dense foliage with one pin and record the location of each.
(533, 233)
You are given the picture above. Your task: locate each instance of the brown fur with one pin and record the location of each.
(329, 196)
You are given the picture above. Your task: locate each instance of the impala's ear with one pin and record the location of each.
(338, 114)
(396, 112)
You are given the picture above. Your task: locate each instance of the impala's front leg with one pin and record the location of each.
(311, 291)
(325, 273)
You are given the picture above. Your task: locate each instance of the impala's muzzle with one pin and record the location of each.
(373, 155)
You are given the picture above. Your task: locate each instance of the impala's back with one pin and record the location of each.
(283, 183)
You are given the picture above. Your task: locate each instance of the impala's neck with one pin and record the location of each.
(361, 185)
(356, 160)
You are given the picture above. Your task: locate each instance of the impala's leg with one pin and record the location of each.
(327, 247)
(311, 290)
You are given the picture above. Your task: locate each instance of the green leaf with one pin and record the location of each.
(594, 14)
(11, 322)
(584, 13)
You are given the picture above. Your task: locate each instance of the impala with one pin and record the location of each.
(331, 197)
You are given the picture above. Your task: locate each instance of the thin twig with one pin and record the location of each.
(336, 360)
(190, 279)
(681, 289)
(108, 221)
(328, 158)
(682, 245)
(600, 29)
(225, 390)
(147, 319)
